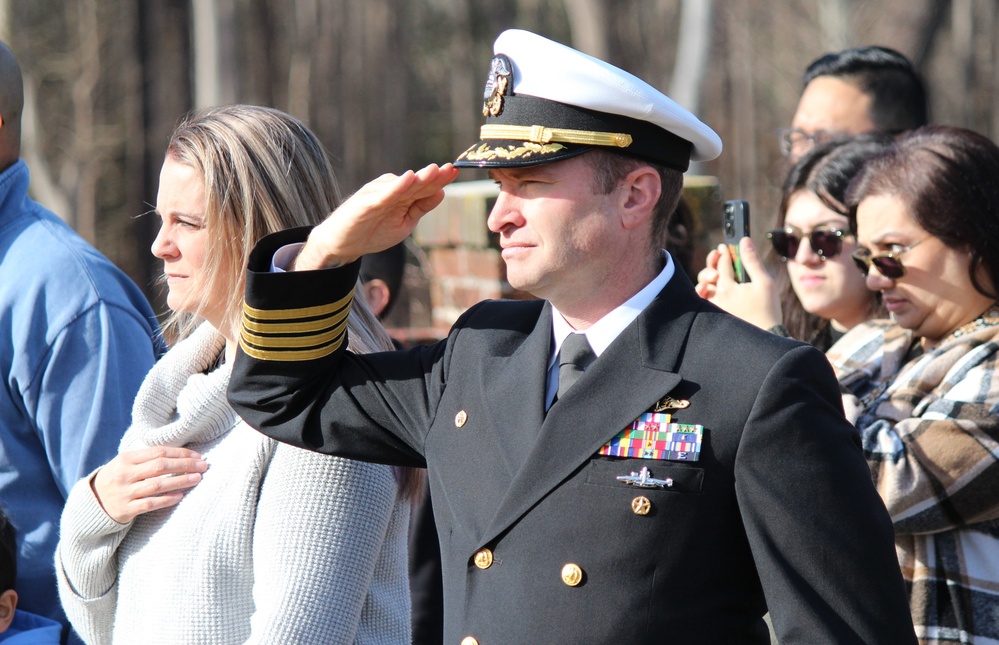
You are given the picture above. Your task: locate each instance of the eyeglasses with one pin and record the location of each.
(888, 264)
(825, 242)
(791, 138)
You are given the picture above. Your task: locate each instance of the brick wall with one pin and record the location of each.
(463, 255)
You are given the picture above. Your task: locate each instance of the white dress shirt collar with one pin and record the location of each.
(605, 330)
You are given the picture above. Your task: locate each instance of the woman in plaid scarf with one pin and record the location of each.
(923, 388)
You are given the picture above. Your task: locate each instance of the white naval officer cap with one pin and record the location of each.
(544, 102)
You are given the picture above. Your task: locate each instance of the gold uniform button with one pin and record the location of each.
(460, 418)
(641, 505)
(483, 558)
(469, 640)
(572, 575)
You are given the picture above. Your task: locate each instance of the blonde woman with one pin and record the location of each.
(201, 529)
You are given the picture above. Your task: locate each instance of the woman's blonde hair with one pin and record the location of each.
(264, 171)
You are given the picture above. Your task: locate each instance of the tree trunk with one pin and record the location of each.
(926, 35)
(588, 23)
(215, 71)
(43, 184)
(300, 72)
(84, 92)
(834, 19)
(741, 103)
(963, 26)
(693, 53)
(164, 54)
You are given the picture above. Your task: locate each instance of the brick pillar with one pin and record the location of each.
(463, 255)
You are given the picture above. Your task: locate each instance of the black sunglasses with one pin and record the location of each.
(825, 242)
(888, 264)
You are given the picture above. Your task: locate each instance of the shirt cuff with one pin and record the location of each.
(285, 256)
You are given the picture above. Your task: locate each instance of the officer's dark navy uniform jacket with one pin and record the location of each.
(541, 542)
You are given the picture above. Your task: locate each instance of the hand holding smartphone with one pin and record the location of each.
(735, 226)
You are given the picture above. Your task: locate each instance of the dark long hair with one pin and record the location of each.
(826, 170)
(948, 178)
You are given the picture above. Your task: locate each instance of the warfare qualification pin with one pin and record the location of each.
(644, 479)
(669, 403)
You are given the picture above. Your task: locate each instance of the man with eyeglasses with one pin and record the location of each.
(857, 90)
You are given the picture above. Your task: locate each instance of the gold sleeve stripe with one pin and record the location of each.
(542, 134)
(313, 353)
(277, 342)
(301, 312)
(309, 326)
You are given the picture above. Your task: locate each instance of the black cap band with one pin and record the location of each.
(648, 141)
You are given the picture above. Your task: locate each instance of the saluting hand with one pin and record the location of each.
(139, 481)
(379, 215)
(756, 302)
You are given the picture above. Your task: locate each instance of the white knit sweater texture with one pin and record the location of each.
(274, 545)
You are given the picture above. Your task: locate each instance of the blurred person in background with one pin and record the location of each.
(863, 89)
(382, 278)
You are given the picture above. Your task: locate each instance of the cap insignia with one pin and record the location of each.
(497, 83)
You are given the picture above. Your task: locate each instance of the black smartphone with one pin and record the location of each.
(735, 226)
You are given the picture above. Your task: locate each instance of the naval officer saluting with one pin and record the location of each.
(696, 473)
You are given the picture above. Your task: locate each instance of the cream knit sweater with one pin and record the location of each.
(275, 545)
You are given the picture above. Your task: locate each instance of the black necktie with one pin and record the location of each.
(573, 359)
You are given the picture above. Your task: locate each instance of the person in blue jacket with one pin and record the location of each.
(76, 339)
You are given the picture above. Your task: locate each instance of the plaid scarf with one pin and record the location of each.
(930, 430)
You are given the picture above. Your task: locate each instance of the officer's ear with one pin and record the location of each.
(641, 189)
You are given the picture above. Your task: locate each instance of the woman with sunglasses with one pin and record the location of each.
(816, 294)
(923, 388)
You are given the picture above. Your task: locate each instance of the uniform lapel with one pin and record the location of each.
(627, 379)
(515, 392)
